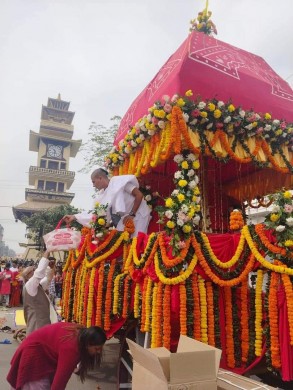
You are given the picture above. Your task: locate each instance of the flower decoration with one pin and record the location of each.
(98, 222)
(280, 219)
(236, 220)
(181, 212)
(200, 116)
(150, 197)
(203, 23)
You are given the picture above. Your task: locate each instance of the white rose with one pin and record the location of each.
(149, 117)
(185, 117)
(268, 127)
(174, 98)
(275, 208)
(148, 198)
(184, 208)
(249, 127)
(133, 144)
(166, 98)
(151, 132)
(161, 124)
(169, 214)
(142, 137)
(242, 113)
(191, 157)
(180, 222)
(193, 122)
(192, 184)
(99, 235)
(196, 179)
(289, 221)
(209, 126)
(201, 105)
(178, 158)
(227, 119)
(276, 122)
(220, 104)
(178, 175)
(280, 228)
(191, 172)
(175, 193)
(196, 220)
(257, 117)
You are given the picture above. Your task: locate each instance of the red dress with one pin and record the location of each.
(49, 352)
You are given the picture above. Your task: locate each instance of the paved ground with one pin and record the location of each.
(105, 378)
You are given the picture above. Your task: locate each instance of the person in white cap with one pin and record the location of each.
(38, 310)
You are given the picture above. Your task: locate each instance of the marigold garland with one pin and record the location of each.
(116, 292)
(182, 308)
(154, 326)
(258, 313)
(159, 314)
(167, 317)
(210, 314)
(126, 292)
(108, 298)
(274, 320)
(229, 328)
(90, 298)
(148, 300)
(196, 308)
(169, 263)
(260, 231)
(136, 311)
(244, 321)
(203, 310)
(143, 304)
(236, 220)
(289, 301)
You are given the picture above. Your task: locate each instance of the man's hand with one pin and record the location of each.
(127, 218)
(69, 218)
(46, 254)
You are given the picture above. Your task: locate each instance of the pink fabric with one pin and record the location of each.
(212, 68)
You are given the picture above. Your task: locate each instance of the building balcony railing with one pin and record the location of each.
(50, 174)
(36, 194)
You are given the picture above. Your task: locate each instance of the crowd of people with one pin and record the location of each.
(12, 281)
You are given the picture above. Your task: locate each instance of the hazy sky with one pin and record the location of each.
(99, 55)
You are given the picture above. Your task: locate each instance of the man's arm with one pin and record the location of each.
(32, 284)
(82, 218)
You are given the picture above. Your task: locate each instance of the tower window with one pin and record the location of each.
(63, 165)
(51, 185)
(60, 187)
(43, 164)
(40, 184)
(53, 165)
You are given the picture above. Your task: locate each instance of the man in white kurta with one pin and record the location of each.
(124, 200)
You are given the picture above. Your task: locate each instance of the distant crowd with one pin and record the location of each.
(11, 281)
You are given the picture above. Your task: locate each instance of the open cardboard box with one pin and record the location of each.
(228, 380)
(193, 367)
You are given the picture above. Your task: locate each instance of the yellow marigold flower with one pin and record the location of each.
(180, 102)
(274, 217)
(181, 197)
(254, 124)
(194, 198)
(289, 130)
(147, 125)
(101, 221)
(268, 116)
(287, 194)
(191, 212)
(97, 204)
(152, 126)
(115, 159)
(184, 164)
(182, 183)
(289, 243)
(279, 132)
(203, 114)
(138, 140)
(169, 117)
(169, 202)
(197, 208)
(195, 164)
(186, 228)
(170, 224)
(211, 107)
(189, 93)
(217, 114)
(231, 108)
(196, 191)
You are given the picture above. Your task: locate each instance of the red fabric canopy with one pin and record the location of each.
(214, 69)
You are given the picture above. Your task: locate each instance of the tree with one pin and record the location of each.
(99, 144)
(42, 222)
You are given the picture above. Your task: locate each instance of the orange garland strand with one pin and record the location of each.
(273, 320)
(196, 309)
(211, 318)
(229, 328)
(182, 309)
(108, 299)
(167, 317)
(244, 322)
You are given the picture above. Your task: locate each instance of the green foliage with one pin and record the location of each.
(42, 222)
(99, 144)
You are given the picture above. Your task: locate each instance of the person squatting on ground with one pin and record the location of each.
(46, 359)
(38, 310)
(124, 199)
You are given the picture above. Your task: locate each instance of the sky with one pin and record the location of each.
(99, 55)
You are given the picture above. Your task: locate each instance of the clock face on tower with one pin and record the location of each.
(54, 151)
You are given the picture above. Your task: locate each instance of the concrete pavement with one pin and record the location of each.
(105, 377)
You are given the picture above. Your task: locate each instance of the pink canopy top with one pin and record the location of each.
(214, 69)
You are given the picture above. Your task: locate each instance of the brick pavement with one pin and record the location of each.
(105, 377)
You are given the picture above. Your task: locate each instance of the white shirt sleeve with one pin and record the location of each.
(84, 218)
(32, 284)
(45, 282)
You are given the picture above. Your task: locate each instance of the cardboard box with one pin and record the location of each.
(193, 367)
(228, 380)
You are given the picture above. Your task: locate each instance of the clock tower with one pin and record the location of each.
(51, 178)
